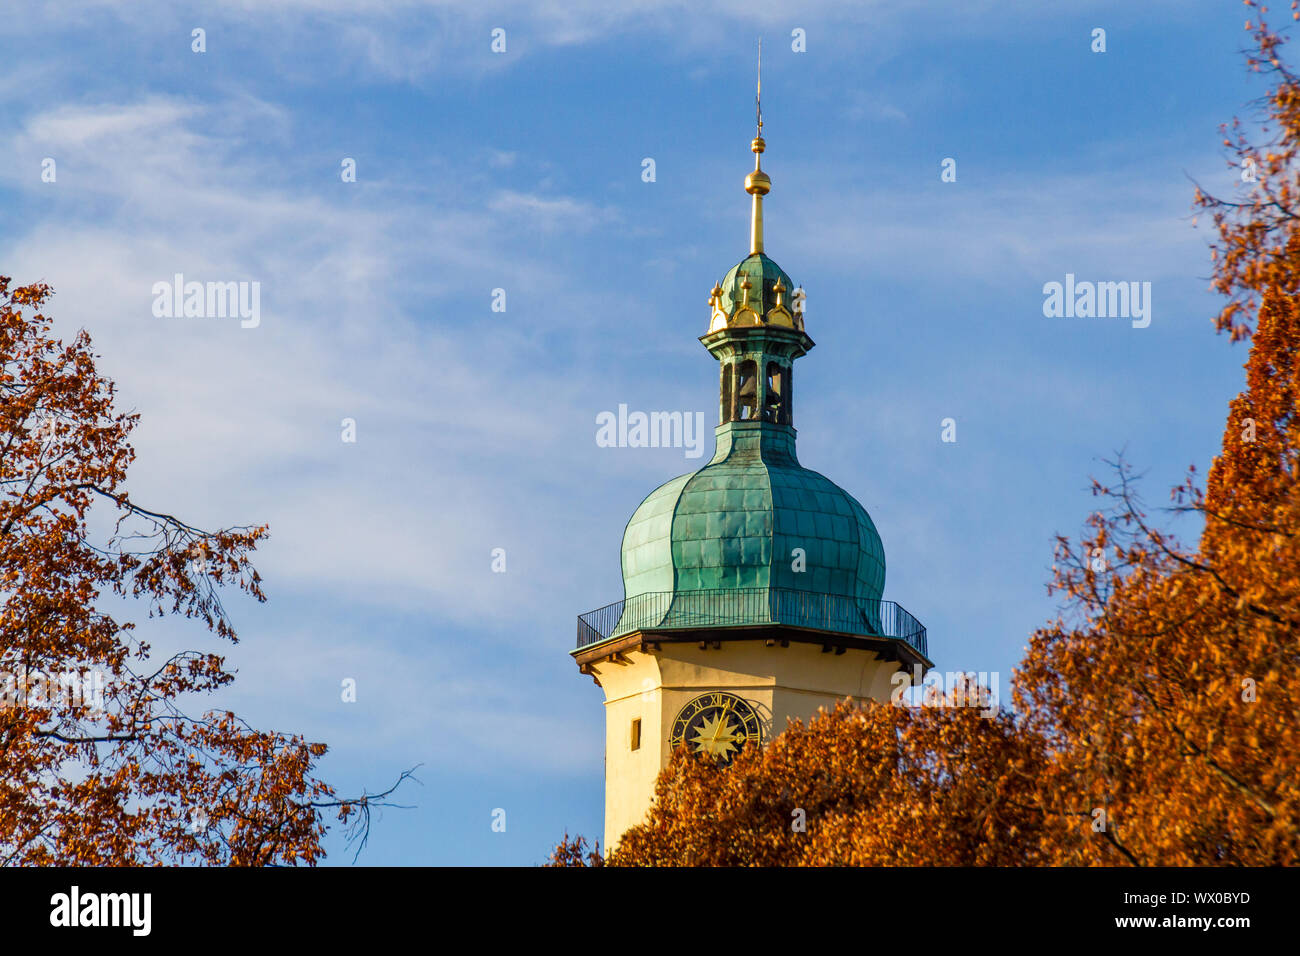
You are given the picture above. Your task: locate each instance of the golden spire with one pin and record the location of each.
(756, 183)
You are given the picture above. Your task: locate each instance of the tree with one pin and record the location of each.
(1175, 697)
(1256, 247)
(1157, 721)
(861, 786)
(99, 762)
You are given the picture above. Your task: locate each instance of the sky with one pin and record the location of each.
(522, 170)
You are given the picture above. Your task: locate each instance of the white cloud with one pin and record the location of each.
(549, 213)
(243, 425)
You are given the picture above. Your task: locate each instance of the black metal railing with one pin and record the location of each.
(732, 607)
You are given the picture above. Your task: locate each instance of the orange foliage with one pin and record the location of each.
(860, 786)
(126, 778)
(1255, 249)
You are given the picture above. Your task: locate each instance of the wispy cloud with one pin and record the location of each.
(258, 412)
(549, 214)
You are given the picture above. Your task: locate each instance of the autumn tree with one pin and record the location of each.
(100, 763)
(1256, 246)
(1157, 721)
(860, 786)
(1176, 695)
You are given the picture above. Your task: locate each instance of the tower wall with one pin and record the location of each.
(780, 683)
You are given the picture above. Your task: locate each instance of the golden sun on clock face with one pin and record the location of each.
(716, 724)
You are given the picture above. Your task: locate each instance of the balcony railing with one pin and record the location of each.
(732, 607)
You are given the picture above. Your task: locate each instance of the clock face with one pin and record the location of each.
(716, 724)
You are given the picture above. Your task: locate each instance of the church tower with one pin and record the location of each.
(752, 587)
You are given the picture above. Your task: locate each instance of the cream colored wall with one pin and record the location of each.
(631, 691)
(779, 682)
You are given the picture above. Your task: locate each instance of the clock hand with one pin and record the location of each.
(722, 723)
(722, 719)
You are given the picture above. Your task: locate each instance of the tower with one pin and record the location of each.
(753, 586)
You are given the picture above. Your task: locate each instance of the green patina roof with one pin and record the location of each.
(756, 267)
(735, 522)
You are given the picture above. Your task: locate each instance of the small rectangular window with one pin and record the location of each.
(636, 734)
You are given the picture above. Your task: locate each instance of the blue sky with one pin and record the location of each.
(522, 170)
